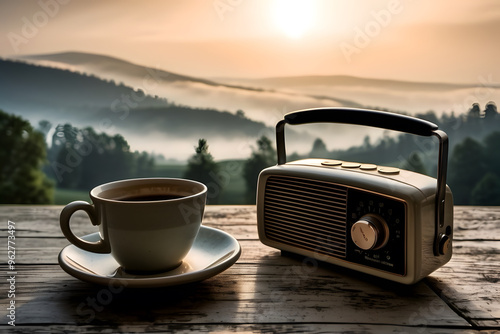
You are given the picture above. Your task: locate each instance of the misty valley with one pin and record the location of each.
(72, 121)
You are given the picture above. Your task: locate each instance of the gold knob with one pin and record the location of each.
(370, 232)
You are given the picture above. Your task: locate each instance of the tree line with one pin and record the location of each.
(77, 159)
(473, 159)
(82, 158)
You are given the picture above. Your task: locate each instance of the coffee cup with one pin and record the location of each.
(147, 225)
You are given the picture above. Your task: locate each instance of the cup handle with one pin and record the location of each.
(101, 246)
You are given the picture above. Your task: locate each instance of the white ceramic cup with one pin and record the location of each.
(143, 235)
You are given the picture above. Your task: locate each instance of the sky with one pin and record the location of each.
(416, 40)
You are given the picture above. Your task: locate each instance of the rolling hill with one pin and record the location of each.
(152, 106)
(257, 103)
(104, 64)
(260, 98)
(407, 96)
(148, 123)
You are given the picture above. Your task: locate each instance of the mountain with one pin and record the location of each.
(260, 98)
(42, 87)
(147, 122)
(104, 64)
(257, 103)
(263, 101)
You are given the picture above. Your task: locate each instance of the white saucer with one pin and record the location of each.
(213, 251)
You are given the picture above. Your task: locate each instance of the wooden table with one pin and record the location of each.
(262, 292)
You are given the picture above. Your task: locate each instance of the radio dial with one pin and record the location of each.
(370, 232)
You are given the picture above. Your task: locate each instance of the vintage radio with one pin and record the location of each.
(384, 221)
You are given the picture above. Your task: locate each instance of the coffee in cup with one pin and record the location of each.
(147, 225)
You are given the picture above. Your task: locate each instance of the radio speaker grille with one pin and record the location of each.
(307, 214)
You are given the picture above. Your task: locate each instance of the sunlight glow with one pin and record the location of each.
(294, 17)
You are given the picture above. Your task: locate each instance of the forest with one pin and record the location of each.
(473, 159)
(81, 158)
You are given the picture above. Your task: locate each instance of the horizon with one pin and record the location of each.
(50, 63)
(26, 58)
(395, 40)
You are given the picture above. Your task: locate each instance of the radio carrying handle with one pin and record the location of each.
(379, 119)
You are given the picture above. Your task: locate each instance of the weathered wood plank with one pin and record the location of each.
(471, 281)
(312, 328)
(35, 250)
(263, 289)
(471, 223)
(43, 221)
(242, 294)
(468, 282)
(476, 223)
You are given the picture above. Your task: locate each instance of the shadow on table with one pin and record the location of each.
(83, 303)
(314, 291)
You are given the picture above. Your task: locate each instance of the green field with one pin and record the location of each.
(234, 192)
(64, 196)
(230, 183)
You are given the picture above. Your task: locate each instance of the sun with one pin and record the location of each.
(293, 17)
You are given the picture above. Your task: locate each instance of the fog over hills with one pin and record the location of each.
(347, 80)
(148, 123)
(406, 96)
(256, 102)
(261, 97)
(166, 112)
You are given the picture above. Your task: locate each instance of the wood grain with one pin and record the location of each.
(263, 291)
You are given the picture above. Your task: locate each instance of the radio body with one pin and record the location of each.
(383, 221)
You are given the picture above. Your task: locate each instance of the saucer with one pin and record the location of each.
(213, 251)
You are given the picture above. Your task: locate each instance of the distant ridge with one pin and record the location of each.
(60, 96)
(97, 63)
(259, 98)
(86, 99)
(109, 63)
(347, 80)
(117, 65)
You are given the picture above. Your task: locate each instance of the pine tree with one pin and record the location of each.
(263, 157)
(202, 168)
(466, 169)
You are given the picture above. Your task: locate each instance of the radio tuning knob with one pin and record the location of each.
(370, 232)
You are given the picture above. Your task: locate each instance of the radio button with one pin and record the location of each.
(388, 170)
(331, 163)
(368, 167)
(370, 232)
(350, 165)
